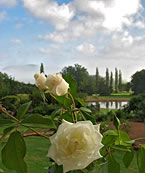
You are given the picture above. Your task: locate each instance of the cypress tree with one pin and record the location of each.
(107, 78)
(120, 81)
(41, 68)
(116, 80)
(111, 82)
(97, 79)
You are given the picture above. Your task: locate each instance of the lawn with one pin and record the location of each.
(36, 159)
(109, 98)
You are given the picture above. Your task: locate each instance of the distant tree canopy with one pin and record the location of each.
(87, 84)
(8, 86)
(80, 74)
(138, 82)
(94, 84)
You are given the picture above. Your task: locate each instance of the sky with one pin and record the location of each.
(59, 33)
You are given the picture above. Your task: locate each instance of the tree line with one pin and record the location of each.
(89, 84)
(96, 84)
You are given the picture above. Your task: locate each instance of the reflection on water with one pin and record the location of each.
(109, 105)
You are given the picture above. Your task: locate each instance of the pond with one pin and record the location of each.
(109, 105)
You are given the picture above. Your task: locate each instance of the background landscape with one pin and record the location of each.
(100, 43)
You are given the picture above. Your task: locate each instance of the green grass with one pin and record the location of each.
(112, 97)
(36, 159)
(122, 94)
(37, 149)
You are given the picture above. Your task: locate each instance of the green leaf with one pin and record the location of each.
(72, 84)
(87, 116)
(37, 120)
(84, 109)
(123, 137)
(63, 100)
(113, 166)
(107, 141)
(111, 133)
(128, 157)
(82, 102)
(23, 110)
(6, 122)
(67, 116)
(14, 152)
(6, 132)
(121, 148)
(141, 160)
(116, 122)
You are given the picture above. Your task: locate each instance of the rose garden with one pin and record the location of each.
(76, 139)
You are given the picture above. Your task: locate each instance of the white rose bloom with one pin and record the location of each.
(40, 80)
(75, 146)
(57, 85)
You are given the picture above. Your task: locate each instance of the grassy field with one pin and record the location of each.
(36, 159)
(113, 97)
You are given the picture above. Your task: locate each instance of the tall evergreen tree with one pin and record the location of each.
(120, 81)
(116, 80)
(111, 82)
(107, 78)
(41, 68)
(97, 79)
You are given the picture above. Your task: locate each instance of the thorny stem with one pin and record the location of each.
(11, 116)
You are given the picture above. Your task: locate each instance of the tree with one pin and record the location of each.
(120, 81)
(41, 68)
(138, 82)
(91, 87)
(80, 74)
(107, 78)
(111, 82)
(102, 87)
(116, 80)
(97, 79)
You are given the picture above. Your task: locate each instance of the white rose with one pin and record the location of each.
(75, 146)
(57, 85)
(40, 80)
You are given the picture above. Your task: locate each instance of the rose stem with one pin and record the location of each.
(37, 132)
(75, 114)
(11, 116)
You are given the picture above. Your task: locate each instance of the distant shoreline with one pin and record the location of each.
(106, 100)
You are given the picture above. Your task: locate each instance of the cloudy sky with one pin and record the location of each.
(93, 33)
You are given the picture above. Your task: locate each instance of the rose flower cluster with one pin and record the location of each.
(74, 145)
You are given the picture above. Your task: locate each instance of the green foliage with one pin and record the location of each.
(116, 80)
(42, 68)
(6, 122)
(136, 108)
(141, 160)
(38, 121)
(14, 152)
(113, 165)
(22, 110)
(116, 122)
(6, 132)
(72, 85)
(138, 82)
(80, 74)
(128, 157)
